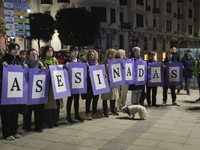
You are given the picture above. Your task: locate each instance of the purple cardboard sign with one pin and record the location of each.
(140, 72)
(156, 74)
(129, 71)
(38, 86)
(60, 81)
(98, 80)
(174, 74)
(15, 85)
(116, 72)
(78, 77)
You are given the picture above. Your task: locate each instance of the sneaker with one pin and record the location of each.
(198, 100)
(88, 117)
(56, 124)
(17, 136)
(10, 138)
(78, 119)
(105, 115)
(113, 112)
(69, 121)
(25, 131)
(38, 130)
(155, 105)
(175, 103)
(164, 103)
(96, 115)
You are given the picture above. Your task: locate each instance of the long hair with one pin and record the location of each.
(95, 54)
(166, 58)
(44, 51)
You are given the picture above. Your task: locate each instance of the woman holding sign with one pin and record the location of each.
(52, 108)
(169, 59)
(152, 59)
(113, 94)
(91, 57)
(9, 113)
(73, 58)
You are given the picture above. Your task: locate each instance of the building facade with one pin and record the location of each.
(150, 24)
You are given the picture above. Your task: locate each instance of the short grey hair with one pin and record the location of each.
(135, 49)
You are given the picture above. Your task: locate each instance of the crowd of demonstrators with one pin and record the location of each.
(47, 115)
(168, 59)
(114, 91)
(188, 64)
(73, 58)
(123, 89)
(151, 59)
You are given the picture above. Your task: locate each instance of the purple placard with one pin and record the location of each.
(140, 72)
(38, 86)
(116, 72)
(156, 74)
(60, 81)
(77, 77)
(129, 71)
(99, 81)
(174, 74)
(15, 85)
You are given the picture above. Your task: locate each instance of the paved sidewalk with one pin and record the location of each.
(168, 127)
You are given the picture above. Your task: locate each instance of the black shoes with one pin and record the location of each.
(69, 120)
(78, 119)
(113, 112)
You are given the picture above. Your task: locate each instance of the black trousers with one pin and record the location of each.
(76, 105)
(154, 93)
(173, 94)
(94, 104)
(9, 119)
(38, 116)
(105, 106)
(52, 115)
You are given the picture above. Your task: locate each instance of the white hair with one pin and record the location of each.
(135, 49)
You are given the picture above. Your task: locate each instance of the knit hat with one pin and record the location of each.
(188, 50)
(151, 52)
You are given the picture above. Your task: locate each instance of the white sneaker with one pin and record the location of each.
(17, 136)
(175, 103)
(164, 103)
(10, 138)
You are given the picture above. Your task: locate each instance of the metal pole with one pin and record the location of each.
(25, 43)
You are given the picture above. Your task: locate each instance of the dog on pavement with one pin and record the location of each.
(134, 109)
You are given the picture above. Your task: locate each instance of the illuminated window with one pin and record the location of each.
(145, 56)
(163, 55)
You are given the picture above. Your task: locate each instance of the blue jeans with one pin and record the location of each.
(188, 80)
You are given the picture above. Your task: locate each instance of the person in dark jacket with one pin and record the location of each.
(73, 58)
(188, 63)
(168, 59)
(9, 113)
(175, 55)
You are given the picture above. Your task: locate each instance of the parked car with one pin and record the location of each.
(61, 55)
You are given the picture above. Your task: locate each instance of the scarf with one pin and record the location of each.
(127, 111)
(49, 59)
(93, 63)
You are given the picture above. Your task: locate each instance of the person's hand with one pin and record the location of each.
(106, 75)
(66, 65)
(164, 66)
(25, 65)
(89, 75)
(123, 66)
(183, 67)
(148, 67)
(140, 60)
(43, 68)
(87, 64)
(5, 63)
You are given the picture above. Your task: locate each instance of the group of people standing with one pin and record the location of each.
(47, 115)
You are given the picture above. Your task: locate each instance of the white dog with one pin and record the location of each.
(133, 109)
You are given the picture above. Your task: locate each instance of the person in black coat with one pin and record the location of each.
(168, 59)
(188, 63)
(9, 113)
